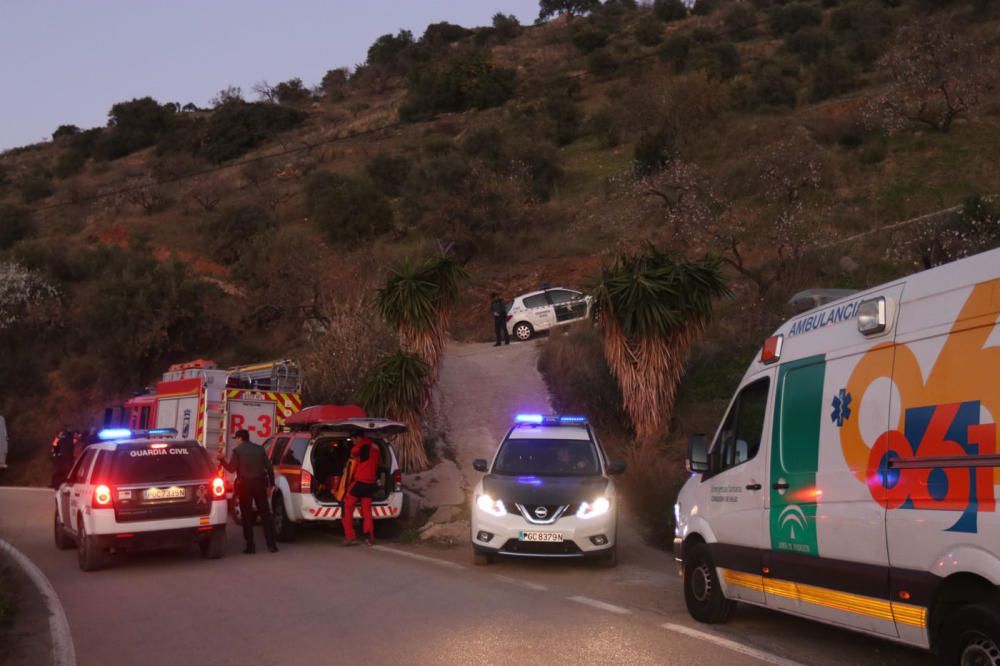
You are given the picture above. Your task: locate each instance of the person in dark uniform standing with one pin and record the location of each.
(363, 486)
(499, 311)
(254, 475)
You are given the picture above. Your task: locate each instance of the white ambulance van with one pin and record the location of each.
(853, 478)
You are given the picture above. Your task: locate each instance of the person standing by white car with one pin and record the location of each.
(499, 311)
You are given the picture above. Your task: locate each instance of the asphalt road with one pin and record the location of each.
(396, 603)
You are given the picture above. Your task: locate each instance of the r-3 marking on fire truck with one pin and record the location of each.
(951, 414)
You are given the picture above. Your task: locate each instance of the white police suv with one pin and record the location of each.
(547, 493)
(139, 489)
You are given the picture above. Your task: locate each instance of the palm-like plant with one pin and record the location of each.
(651, 309)
(397, 387)
(417, 300)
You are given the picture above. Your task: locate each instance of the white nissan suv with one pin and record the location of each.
(140, 489)
(541, 310)
(547, 493)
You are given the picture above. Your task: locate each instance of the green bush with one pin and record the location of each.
(487, 144)
(773, 84)
(602, 64)
(443, 33)
(64, 131)
(466, 80)
(34, 185)
(231, 230)
(792, 18)
(389, 172)
(704, 7)
(720, 61)
(132, 126)
(740, 22)
(652, 151)
(809, 44)
(604, 125)
(292, 91)
(832, 75)
(347, 209)
(236, 127)
(589, 40)
(69, 163)
(565, 117)
(15, 225)
(669, 10)
(506, 26)
(676, 50)
(53, 257)
(649, 31)
(386, 50)
(540, 163)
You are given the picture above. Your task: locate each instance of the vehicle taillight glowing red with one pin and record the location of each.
(218, 488)
(102, 497)
(397, 481)
(305, 485)
(158, 445)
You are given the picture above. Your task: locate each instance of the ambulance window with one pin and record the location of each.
(739, 439)
(278, 450)
(296, 452)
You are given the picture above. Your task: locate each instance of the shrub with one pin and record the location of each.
(704, 7)
(676, 50)
(292, 91)
(539, 161)
(15, 225)
(346, 208)
(549, 8)
(589, 40)
(389, 172)
(652, 151)
(236, 127)
(832, 75)
(809, 44)
(486, 144)
(65, 131)
(68, 163)
(669, 10)
(466, 80)
(443, 33)
(564, 116)
(133, 125)
(231, 230)
(649, 31)
(602, 64)
(791, 18)
(334, 84)
(506, 26)
(740, 21)
(773, 84)
(34, 185)
(720, 61)
(386, 49)
(604, 125)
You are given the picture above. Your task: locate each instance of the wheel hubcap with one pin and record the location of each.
(523, 332)
(981, 651)
(701, 583)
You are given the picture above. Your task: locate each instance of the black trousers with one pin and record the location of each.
(250, 492)
(500, 328)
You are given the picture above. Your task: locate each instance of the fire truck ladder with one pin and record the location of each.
(281, 376)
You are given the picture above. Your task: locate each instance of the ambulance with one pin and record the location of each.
(852, 480)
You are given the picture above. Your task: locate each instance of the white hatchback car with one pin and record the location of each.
(541, 310)
(138, 490)
(548, 493)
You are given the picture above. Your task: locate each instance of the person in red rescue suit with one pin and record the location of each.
(363, 487)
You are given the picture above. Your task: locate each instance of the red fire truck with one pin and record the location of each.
(209, 404)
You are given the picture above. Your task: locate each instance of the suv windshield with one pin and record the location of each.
(176, 462)
(547, 457)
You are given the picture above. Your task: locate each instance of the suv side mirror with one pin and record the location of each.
(480, 465)
(697, 458)
(616, 467)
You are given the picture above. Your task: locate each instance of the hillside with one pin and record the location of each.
(784, 137)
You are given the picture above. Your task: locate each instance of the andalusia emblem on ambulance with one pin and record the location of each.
(942, 410)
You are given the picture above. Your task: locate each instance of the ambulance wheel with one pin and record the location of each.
(702, 592)
(284, 529)
(481, 559)
(63, 540)
(89, 553)
(523, 331)
(971, 636)
(214, 546)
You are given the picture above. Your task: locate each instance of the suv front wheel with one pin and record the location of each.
(523, 331)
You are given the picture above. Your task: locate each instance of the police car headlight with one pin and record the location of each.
(598, 507)
(491, 506)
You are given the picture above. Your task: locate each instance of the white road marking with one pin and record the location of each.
(522, 583)
(63, 651)
(731, 645)
(422, 558)
(602, 605)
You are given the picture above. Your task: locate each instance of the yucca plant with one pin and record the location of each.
(396, 387)
(651, 309)
(416, 300)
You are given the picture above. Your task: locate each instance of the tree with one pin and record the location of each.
(651, 309)
(937, 72)
(65, 130)
(416, 300)
(229, 232)
(265, 92)
(228, 95)
(334, 84)
(506, 26)
(346, 208)
(669, 10)
(549, 8)
(465, 80)
(292, 91)
(386, 49)
(397, 388)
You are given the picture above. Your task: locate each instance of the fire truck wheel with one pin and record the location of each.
(214, 546)
(63, 540)
(90, 555)
(702, 592)
(284, 529)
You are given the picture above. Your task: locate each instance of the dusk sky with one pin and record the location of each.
(67, 62)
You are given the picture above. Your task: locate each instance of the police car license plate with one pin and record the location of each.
(173, 492)
(550, 537)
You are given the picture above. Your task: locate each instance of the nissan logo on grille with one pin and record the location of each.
(541, 512)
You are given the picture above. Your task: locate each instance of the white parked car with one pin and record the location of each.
(541, 310)
(547, 493)
(137, 490)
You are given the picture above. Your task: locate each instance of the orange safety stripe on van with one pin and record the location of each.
(881, 609)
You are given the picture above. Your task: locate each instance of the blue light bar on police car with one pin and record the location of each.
(538, 419)
(529, 418)
(572, 419)
(161, 432)
(115, 433)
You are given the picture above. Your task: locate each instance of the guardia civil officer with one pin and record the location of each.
(499, 311)
(254, 476)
